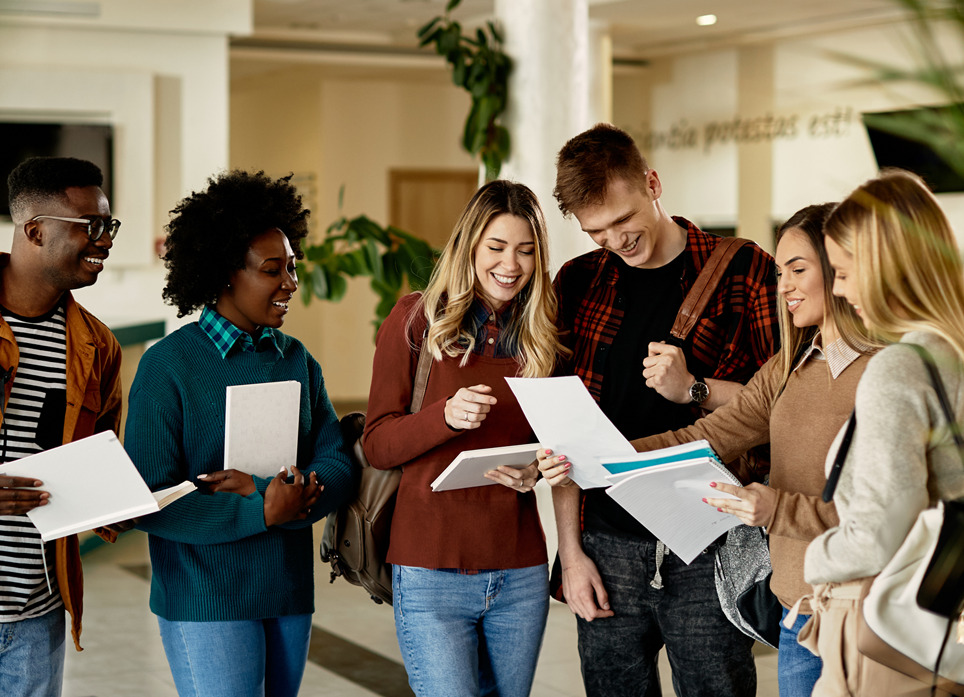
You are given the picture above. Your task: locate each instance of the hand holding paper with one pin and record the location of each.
(19, 495)
(565, 418)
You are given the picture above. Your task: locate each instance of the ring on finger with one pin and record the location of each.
(466, 416)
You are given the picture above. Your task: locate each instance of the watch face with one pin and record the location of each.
(699, 392)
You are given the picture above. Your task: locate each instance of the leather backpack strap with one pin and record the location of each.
(421, 375)
(705, 286)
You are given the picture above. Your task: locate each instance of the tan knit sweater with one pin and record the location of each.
(800, 427)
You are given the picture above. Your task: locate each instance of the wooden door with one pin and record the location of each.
(427, 203)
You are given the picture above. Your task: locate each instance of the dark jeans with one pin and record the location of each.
(708, 655)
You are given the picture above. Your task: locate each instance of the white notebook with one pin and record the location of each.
(664, 490)
(261, 427)
(92, 482)
(468, 468)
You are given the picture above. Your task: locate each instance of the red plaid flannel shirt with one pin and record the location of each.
(735, 336)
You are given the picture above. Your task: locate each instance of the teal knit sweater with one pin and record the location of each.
(212, 557)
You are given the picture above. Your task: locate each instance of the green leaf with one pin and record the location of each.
(391, 271)
(341, 197)
(368, 229)
(427, 28)
(319, 282)
(496, 34)
(431, 38)
(384, 307)
(373, 259)
(452, 4)
(481, 37)
(337, 288)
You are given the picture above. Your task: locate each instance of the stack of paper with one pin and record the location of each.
(664, 490)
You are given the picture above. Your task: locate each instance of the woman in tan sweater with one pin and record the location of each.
(796, 403)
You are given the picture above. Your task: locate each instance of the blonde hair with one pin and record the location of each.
(809, 223)
(530, 326)
(908, 270)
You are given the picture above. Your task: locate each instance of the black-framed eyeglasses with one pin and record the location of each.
(96, 227)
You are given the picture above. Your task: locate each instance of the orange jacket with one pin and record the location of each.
(93, 405)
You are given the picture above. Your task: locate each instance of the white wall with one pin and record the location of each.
(696, 117)
(156, 71)
(335, 127)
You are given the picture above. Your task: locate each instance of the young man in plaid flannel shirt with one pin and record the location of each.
(617, 304)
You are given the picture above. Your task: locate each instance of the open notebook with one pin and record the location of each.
(664, 491)
(92, 482)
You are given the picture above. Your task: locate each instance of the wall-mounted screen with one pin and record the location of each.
(892, 150)
(18, 141)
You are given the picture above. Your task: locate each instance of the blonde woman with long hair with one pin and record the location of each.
(896, 262)
(470, 579)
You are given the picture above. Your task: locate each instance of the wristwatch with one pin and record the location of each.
(699, 391)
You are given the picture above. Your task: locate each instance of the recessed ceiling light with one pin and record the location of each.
(706, 20)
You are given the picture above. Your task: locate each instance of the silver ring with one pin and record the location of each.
(466, 416)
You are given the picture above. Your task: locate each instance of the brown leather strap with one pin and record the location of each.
(421, 375)
(705, 286)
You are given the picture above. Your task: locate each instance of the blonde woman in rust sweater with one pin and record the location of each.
(796, 402)
(469, 577)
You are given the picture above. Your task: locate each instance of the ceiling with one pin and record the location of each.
(640, 28)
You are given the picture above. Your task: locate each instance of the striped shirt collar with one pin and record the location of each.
(225, 335)
(838, 355)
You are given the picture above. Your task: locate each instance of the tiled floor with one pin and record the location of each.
(123, 655)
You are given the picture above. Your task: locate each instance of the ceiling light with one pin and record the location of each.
(706, 20)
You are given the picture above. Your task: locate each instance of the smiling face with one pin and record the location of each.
(504, 259)
(628, 222)
(258, 294)
(70, 258)
(800, 280)
(844, 279)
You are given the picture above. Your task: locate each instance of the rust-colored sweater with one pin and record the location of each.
(800, 427)
(488, 527)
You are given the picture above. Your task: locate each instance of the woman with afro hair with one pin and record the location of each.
(232, 583)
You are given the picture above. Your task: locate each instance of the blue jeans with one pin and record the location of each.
(797, 668)
(708, 655)
(245, 658)
(462, 635)
(32, 656)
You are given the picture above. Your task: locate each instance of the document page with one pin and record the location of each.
(668, 500)
(469, 468)
(261, 427)
(92, 482)
(566, 419)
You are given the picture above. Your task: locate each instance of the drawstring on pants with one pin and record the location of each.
(657, 581)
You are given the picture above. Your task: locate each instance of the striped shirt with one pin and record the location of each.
(33, 421)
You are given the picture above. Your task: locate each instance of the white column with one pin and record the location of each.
(551, 91)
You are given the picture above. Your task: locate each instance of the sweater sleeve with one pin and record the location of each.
(732, 429)
(393, 436)
(154, 440)
(883, 485)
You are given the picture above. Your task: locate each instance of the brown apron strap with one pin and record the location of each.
(705, 286)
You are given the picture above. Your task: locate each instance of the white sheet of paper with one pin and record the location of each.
(92, 482)
(261, 427)
(468, 468)
(566, 419)
(667, 500)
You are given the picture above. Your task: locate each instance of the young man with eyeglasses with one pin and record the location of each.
(60, 371)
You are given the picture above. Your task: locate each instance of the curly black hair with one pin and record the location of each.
(39, 178)
(211, 231)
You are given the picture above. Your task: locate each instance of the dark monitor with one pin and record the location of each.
(18, 141)
(893, 150)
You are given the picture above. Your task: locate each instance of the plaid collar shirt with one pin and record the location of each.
(735, 336)
(226, 336)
